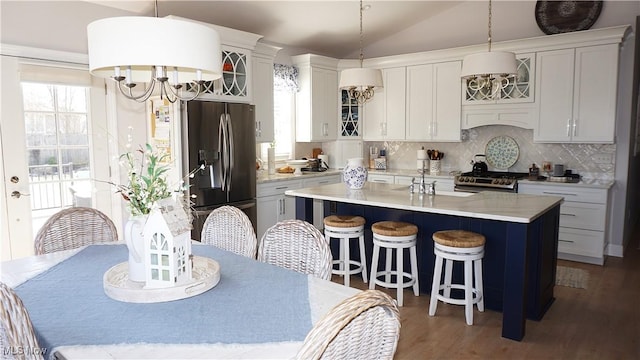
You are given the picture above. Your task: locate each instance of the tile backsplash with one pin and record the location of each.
(591, 161)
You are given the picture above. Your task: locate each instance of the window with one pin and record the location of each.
(57, 142)
(285, 86)
(283, 118)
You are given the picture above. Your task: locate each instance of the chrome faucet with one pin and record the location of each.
(422, 186)
(432, 188)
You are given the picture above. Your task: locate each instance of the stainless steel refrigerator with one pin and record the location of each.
(222, 137)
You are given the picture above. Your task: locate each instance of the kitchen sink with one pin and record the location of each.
(454, 193)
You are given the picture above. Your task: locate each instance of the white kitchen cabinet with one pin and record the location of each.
(385, 113)
(235, 83)
(317, 99)
(350, 124)
(583, 220)
(263, 91)
(272, 205)
(520, 88)
(576, 92)
(318, 205)
(433, 102)
(515, 103)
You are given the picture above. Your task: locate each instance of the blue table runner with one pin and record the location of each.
(254, 302)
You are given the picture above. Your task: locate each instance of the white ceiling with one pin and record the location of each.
(329, 28)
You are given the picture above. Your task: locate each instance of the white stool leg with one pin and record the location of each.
(414, 270)
(479, 284)
(400, 275)
(468, 291)
(435, 287)
(387, 267)
(448, 269)
(374, 266)
(341, 262)
(346, 257)
(363, 258)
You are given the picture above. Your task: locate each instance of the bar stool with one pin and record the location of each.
(458, 245)
(396, 235)
(345, 228)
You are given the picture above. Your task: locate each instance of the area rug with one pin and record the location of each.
(572, 277)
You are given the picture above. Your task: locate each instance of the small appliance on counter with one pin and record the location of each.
(324, 161)
(314, 165)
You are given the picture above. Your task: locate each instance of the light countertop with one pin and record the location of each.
(490, 205)
(263, 176)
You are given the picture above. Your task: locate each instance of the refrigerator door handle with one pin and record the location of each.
(222, 149)
(230, 149)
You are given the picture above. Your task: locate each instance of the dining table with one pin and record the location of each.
(255, 311)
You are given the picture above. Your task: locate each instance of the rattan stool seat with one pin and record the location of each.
(459, 238)
(344, 221)
(394, 228)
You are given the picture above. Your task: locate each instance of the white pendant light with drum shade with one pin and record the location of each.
(360, 82)
(489, 71)
(162, 52)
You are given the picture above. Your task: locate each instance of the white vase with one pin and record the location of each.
(355, 173)
(134, 237)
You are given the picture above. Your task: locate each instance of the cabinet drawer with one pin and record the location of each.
(581, 242)
(321, 180)
(579, 194)
(380, 178)
(583, 215)
(278, 187)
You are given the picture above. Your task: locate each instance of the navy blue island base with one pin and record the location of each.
(519, 266)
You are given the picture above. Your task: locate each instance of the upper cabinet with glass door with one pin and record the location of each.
(235, 83)
(349, 117)
(520, 88)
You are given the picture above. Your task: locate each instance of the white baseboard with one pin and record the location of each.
(615, 250)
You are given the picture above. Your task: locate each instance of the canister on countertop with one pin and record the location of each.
(534, 172)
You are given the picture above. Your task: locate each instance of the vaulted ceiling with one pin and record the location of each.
(324, 27)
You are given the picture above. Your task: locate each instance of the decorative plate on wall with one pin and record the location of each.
(502, 152)
(555, 17)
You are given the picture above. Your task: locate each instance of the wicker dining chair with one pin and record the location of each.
(74, 227)
(364, 326)
(15, 326)
(297, 245)
(228, 228)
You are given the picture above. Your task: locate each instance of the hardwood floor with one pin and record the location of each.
(600, 322)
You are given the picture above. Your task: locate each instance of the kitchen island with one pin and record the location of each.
(521, 231)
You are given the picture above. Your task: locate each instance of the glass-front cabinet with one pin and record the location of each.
(234, 74)
(520, 87)
(235, 82)
(349, 116)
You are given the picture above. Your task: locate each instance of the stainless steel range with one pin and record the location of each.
(488, 181)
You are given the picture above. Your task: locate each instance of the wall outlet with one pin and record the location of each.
(602, 158)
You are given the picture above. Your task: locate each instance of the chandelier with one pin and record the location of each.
(163, 53)
(360, 82)
(489, 71)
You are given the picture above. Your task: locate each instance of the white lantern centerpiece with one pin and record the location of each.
(167, 242)
(161, 266)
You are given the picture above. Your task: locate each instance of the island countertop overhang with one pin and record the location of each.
(490, 205)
